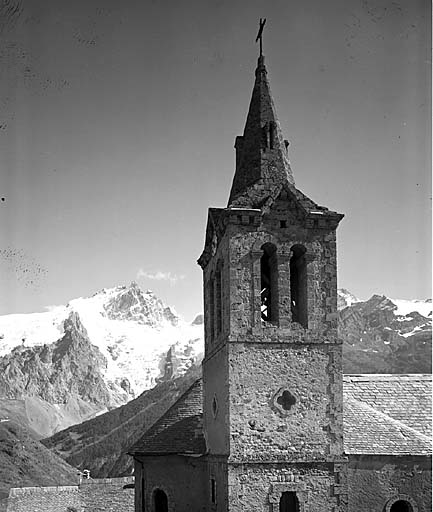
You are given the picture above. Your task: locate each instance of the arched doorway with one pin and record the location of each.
(289, 502)
(401, 506)
(160, 501)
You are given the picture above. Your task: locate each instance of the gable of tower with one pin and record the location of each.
(291, 208)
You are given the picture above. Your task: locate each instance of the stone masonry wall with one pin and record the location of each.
(99, 495)
(244, 271)
(258, 487)
(218, 266)
(45, 499)
(216, 401)
(260, 429)
(107, 495)
(375, 482)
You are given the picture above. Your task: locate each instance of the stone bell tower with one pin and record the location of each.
(272, 371)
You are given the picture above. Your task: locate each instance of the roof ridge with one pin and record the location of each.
(365, 377)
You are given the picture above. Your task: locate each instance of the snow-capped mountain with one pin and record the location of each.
(345, 298)
(386, 335)
(138, 339)
(74, 361)
(379, 335)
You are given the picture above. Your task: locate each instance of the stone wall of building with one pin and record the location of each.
(93, 495)
(217, 468)
(45, 499)
(108, 494)
(254, 487)
(245, 251)
(183, 479)
(260, 428)
(216, 401)
(375, 482)
(254, 368)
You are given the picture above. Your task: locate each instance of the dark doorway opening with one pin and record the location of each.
(401, 506)
(289, 502)
(160, 501)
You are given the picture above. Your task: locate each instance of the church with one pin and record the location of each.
(274, 425)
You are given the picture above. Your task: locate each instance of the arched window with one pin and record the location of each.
(298, 285)
(269, 283)
(289, 502)
(401, 506)
(160, 501)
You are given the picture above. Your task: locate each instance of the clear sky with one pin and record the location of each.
(117, 125)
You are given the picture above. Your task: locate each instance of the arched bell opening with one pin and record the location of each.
(269, 284)
(298, 285)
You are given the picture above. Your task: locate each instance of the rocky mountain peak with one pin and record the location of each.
(74, 326)
(198, 320)
(131, 303)
(345, 298)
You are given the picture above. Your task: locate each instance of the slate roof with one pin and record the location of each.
(406, 398)
(383, 415)
(179, 430)
(368, 431)
(387, 414)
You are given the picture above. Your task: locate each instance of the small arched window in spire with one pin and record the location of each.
(269, 283)
(298, 285)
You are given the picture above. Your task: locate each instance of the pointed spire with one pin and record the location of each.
(262, 163)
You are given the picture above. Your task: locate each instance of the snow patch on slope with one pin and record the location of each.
(405, 307)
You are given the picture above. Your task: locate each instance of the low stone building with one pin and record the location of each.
(90, 495)
(263, 430)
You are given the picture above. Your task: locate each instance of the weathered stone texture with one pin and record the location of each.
(261, 155)
(245, 247)
(311, 429)
(99, 495)
(258, 487)
(216, 282)
(45, 499)
(108, 495)
(375, 481)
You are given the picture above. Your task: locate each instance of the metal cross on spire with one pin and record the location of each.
(259, 35)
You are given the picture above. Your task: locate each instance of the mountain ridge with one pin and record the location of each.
(127, 339)
(99, 352)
